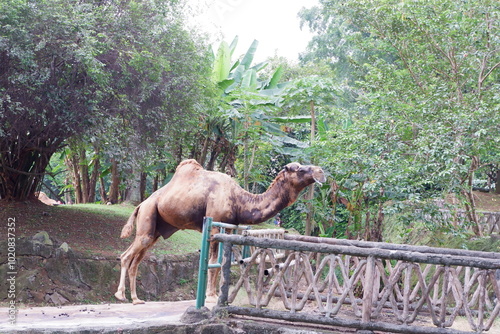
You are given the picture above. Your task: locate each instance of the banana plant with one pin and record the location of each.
(246, 99)
(240, 74)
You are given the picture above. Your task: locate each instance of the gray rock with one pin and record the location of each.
(43, 238)
(64, 247)
(194, 315)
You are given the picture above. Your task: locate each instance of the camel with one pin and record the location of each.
(194, 193)
(42, 197)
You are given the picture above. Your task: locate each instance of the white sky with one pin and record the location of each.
(274, 23)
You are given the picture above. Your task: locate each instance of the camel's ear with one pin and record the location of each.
(292, 167)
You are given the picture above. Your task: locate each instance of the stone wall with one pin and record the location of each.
(50, 272)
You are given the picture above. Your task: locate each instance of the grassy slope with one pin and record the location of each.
(89, 228)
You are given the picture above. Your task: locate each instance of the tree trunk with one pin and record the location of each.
(227, 163)
(102, 191)
(160, 176)
(216, 149)
(497, 182)
(470, 205)
(143, 186)
(72, 163)
(84, 175)
(310, 211)
(134, 187)
(203, 154)
(22, 169)
(96, 165)
(115, 182)
(67, 194)
(155, 182)
(374, 225)
(368, 229)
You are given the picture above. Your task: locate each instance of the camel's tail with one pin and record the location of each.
(129, 226)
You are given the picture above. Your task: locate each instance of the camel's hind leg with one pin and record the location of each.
(130, 260)
(163, 229)
(146, 236)
(213, 274)
(134, 266)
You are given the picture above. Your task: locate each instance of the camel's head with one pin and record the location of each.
(302, 176)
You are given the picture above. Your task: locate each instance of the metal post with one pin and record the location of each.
(220, 251)
(203, 270)
(208, 223)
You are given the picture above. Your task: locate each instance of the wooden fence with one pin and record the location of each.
(364, 285)
(489, 222)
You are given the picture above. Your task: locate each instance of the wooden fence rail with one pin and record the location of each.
(489, 222)
(374, 286)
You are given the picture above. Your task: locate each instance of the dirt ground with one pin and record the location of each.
(489, 202)
(83, 231)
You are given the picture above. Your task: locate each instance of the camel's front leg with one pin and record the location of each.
(132, 275)
(212, 273)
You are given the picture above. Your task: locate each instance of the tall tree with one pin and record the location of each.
(428, 103)
(66, 67)
(46, 89)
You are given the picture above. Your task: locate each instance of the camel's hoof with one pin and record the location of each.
(138, 301)
(212, 299)
(120, 296)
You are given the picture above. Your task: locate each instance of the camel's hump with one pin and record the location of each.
(191, 163)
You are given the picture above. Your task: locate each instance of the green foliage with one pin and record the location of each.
(117, 75)
(244, 124)
(426, 113)
(293, 217)
(222, 63)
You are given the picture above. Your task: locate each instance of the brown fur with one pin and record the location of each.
(194, 193)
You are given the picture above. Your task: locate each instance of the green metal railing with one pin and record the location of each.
(208, 224)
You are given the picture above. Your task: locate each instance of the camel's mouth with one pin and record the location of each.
(319, 177)
(317, 181)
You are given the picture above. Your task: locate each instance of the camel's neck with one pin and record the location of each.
(255, 209)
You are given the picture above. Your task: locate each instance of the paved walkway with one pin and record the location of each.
(107, 317)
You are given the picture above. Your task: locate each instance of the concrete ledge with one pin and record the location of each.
(152, 317)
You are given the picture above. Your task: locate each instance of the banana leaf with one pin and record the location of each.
(322, 129)
(260, 66)
(248, 57)
(291, 119)
(233, 44)
(235, 65)
(249, 79)
(225, 83)
(273, 83)
(222, 63)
